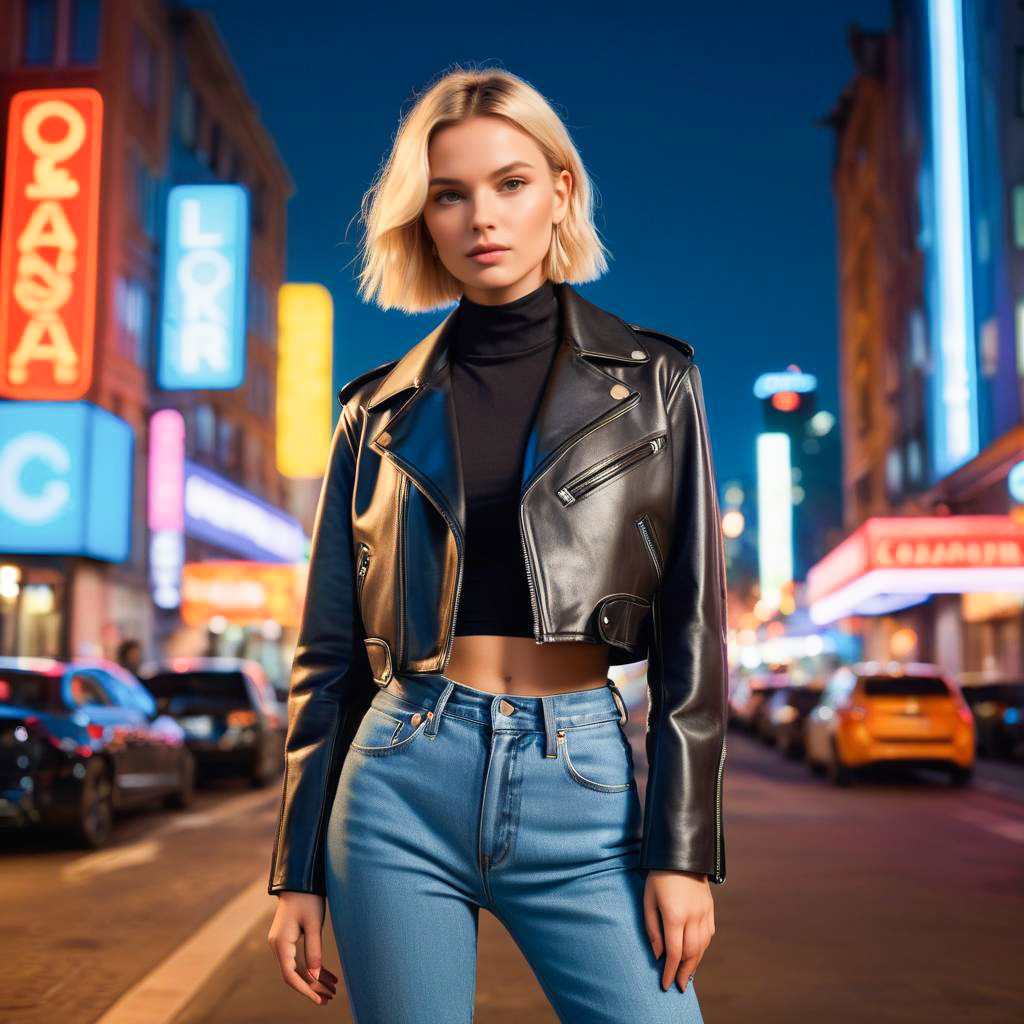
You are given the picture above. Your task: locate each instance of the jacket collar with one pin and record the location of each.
(421, 435)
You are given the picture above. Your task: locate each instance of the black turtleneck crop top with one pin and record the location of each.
(500, 359)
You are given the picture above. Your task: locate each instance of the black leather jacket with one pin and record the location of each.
(621, 532)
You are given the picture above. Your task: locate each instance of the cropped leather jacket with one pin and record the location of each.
(621, 535)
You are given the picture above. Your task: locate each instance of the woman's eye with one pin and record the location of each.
(508, 181)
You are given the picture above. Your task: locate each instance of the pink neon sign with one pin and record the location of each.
(167, 470)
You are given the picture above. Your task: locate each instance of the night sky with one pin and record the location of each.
(698, 125)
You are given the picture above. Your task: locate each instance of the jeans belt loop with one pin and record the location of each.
(434, 718)
(623, 713)
(550, 746)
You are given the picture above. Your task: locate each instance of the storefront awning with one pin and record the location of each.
(892, 562)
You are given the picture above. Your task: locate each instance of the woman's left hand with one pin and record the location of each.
(680, 903)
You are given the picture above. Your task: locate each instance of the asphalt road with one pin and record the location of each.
(899, 899)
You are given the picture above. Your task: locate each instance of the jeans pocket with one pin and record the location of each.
(387, 732)
(597, 757)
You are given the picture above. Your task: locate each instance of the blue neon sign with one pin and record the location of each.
(202, 332)
(218, 511)
(65, 480)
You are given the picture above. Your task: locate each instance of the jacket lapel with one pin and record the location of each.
(421, 435)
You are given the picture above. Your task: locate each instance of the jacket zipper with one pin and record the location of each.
(363, 565)
(403, 501)
(590, 479)
(623, 406)
(643, 525)
(718, 817)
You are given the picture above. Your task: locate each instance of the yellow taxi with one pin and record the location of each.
(873, 712)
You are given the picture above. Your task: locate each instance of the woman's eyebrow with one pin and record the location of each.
(494, 174)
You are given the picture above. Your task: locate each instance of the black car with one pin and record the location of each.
(80, 741)
(998, 709)
(232, 718)
(780, 719)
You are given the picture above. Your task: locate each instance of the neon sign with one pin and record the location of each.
(305, 399)
(48, 243)
(202, 341)
(65, 480)
(166, 506)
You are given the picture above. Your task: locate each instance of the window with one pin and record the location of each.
(85, 32)
(257, 198)
(39, 41)
(144, 67)
(198, 145)
(206, 427)
(1019, 80)
(187, 117)
(145, 192)
(134, 314)
(235, 165)
(215, 145)
(86, 690)
(59, 33)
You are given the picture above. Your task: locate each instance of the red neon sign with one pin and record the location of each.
(919, 542)
(48, 243)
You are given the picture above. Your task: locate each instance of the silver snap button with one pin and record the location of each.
(507, 708)
(638, 353)
(619, 391)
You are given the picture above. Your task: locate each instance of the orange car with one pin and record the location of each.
(874, 712)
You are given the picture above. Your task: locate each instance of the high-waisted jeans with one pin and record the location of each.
(451, 799)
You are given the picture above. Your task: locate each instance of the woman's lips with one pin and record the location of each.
(491, 256)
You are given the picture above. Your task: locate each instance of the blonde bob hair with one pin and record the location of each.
(399, 268)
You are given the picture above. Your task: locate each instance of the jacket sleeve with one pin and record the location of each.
(687, 665)
(329, 673)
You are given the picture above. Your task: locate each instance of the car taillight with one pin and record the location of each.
(963, 712)
(95, 730)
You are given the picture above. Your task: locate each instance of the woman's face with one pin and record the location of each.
(490, 184)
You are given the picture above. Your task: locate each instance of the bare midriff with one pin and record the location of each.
(519, 666)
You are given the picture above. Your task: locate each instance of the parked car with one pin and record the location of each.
(998, 707)
(79, 742)
(232, 718)
(781, 717)
(873, 713)
(749, 692)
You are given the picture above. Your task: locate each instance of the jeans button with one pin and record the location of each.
(507, 707)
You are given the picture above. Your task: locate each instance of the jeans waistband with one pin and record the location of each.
(434, 692)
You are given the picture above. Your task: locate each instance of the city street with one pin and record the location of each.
(898, 899)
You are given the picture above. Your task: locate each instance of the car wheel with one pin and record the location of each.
(95, 822)
(839, 773)
(960, 776)
(182, 797)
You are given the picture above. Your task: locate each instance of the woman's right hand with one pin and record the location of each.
(301, 913)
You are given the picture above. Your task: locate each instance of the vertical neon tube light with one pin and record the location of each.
(774, 514)
(956, 408)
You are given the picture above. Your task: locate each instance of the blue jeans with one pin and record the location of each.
(451, 799)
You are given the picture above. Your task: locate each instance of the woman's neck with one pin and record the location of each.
(486, 333)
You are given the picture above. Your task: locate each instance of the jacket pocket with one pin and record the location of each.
(362, 567)
(647, 535)
(608, 469)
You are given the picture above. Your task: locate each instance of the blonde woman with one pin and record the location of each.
(523, 499)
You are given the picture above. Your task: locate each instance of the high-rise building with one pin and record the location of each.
(929, 186)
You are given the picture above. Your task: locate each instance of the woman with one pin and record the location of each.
(534, 471)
